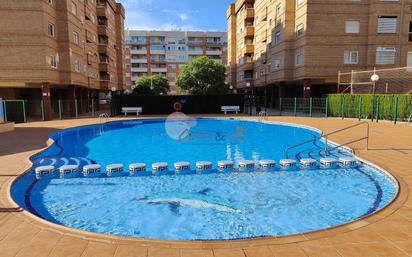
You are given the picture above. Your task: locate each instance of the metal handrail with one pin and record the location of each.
(332, 133)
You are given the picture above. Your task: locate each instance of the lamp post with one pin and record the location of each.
(374, 79)
(250, 97)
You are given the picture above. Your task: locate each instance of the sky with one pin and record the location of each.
(201, 15)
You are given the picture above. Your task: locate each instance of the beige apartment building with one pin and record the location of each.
(61, 50)
(166, 52)
(294, 48)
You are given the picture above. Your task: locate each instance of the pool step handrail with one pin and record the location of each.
(326, 149)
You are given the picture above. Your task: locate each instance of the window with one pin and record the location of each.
(76, 38)
(299, 2)
(276, 64)
(410, 31)
(352, 27)
(351, 57)
(387, 24)
(53, 61)
(171, 75)
(299, 30)
(298, 57)
(385, 55)
(409, 60)
(51, 30)
(77, 65)
(278, 9)
(74, 8)
(172, 66)
(50, 1)
(278, 38)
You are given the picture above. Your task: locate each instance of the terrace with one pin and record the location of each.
(386, 233)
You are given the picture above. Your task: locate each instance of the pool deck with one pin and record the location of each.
(387, 233)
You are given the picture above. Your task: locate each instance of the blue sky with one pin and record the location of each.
(202, 15)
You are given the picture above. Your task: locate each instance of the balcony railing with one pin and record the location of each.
(136, 42)
(215, 43)
(158, 60)
(195, 42)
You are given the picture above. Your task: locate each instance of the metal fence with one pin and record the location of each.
(381, 81)
(311, 107)
(21, 111)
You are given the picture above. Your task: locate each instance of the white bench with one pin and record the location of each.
(127, 110)
(226, 109)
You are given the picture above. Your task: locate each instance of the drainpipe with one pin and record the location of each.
(400, 32)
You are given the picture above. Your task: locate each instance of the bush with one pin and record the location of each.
(370, 106)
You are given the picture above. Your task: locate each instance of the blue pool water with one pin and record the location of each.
(191, 206)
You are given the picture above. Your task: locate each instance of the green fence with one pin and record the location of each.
(312, 107)
(21, 111)
(374, 107)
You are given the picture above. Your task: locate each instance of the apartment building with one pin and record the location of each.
(284, 48)
(166, 52)
(61, 50)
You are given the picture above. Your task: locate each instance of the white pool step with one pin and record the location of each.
(308, 163)
(91, 169)
(179, 166)
(160, 166)
(267, 163)
(287, 163)
(68, 169)
(224, 164)
(203, 165)
(114, 168)
(136, 167)
(246, 165)
(348, 161)
(43, 170)
(327, 162)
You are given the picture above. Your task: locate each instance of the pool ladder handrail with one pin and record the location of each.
(366, 137)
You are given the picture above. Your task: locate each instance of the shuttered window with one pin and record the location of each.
(387, 24)
(385, 55)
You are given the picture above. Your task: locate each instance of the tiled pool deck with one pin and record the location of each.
(387, 233)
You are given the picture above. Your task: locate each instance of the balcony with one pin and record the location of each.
(104, 84)
(158, 60)
(138, 60)
(248, 66)
(159, 69)
(157, 42)
(249, 49)
(104, 67)
(135, 42)
(195, 42)
(250, 14)
(215, 43)
(102, 30)
(213, 52)
(195, 52)
(136, 78)
(103, 49)
(138, 51)
(249, 31)
(157, 51)
(101, 9)
(139, 69)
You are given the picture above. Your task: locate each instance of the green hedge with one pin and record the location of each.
(370, 106)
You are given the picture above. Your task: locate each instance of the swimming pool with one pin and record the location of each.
(190, 205)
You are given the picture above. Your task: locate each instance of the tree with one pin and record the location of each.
(203, 76)
(153, 85)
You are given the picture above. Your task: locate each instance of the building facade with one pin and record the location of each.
(61, 50)
(166, 52)
(284, 48)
